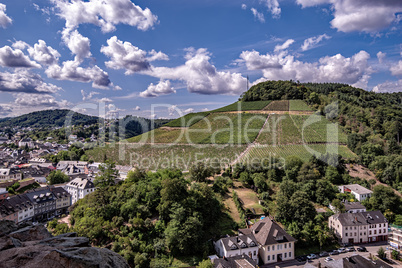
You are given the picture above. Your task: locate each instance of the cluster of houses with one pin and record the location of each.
(266, 242)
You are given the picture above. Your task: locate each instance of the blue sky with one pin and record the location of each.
(164, 58)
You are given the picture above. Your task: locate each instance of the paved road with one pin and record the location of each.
(371, 248)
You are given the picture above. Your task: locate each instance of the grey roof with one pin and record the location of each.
(240, 241)
(59, 192)
(358, 189)
(268, 232)
(353, 205)
(356, 261)
(14, 204)
(40, 195)
(240, 261)
(81, 183)
(360, 218)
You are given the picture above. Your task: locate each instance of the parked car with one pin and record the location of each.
(341, 250)
(301, 258)
(350, 249)
(324, 254)
(334, 252)
(311, 256)
(362, 249)
(328, 259)
(346, 245)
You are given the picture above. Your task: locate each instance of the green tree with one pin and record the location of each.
(395, 254)
(338, 205)
(384, 198)
(260, 181)
(56, 177)
(200, 171)
(205, 264)
(381, 253)
(107, 174)
(333, 175)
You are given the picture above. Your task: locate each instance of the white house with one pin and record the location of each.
(26, 142)
(275, 245)
(357, 190)
(237, 245)
(350, 207)
(79, 188)
(361, 227)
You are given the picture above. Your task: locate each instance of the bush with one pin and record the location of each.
(372, 181)
(381, 253)
(395, 255)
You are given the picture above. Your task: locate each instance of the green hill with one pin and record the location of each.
(277, 119)
(48, 118)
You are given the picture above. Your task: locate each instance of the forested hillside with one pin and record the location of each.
(371, 120)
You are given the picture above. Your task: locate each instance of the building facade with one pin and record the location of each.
(357, 190)
(275, 245)
(395, 237)
(238, 245)
(361, 227)
(79, 188)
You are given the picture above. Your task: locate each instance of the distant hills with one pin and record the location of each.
(48, 118)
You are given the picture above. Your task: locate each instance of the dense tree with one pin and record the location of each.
(199, 172)
(56, 177)
(107, 174)
(384, 198)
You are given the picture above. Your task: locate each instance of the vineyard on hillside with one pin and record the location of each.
(301, 151)
(216, 128)
(187, 120)
(281, 105)
(243, 106)
(153, 157)
(298, 105)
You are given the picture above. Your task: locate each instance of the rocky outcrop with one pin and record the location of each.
(33, 246)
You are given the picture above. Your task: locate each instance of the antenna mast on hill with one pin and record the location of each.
(247, 83)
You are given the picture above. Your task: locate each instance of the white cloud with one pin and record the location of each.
(153, 116)
(4, 19)
(73, 72)
(396, 69)
(243, 6)
(105, 14)
(79, 45)
(44, 100)
(157, 55)
(137, 108)
(284, 46)
(381, 56)
(273, 7)
(25, 81)
(360, 15)
(388, 87)
(200, 75)
(354, 70)
(258, 15)
(125, 56)
(89, 96)
(15, 58)
(312, 42)
(106, 100)
(205, 109)
(44, 54)
(20, 45)
(189, 110)
(162, 88)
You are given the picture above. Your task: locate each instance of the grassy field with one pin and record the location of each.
(249, 199)
(258, 153)
(153, 157)
(282, 105)
(216, 128)
(298, 105)
(243, 106)
(187, 120)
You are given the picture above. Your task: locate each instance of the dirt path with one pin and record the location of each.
(270, 112)
(232, 206)
(364, 173)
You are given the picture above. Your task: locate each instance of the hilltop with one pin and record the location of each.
(48, 118)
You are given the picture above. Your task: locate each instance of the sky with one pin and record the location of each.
(163, 59)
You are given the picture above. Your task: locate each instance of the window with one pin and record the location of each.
(255, 252)
(269, 257)
(384, 231)
(286, 245)
(290, 245)
(286, 255)
(355, 234)
(369, 232)
(351, 234)
(346, 234)
(273, 257)
(379, 231)
(375, 231)
(268, 248)
(346, 228)
(290, 254)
